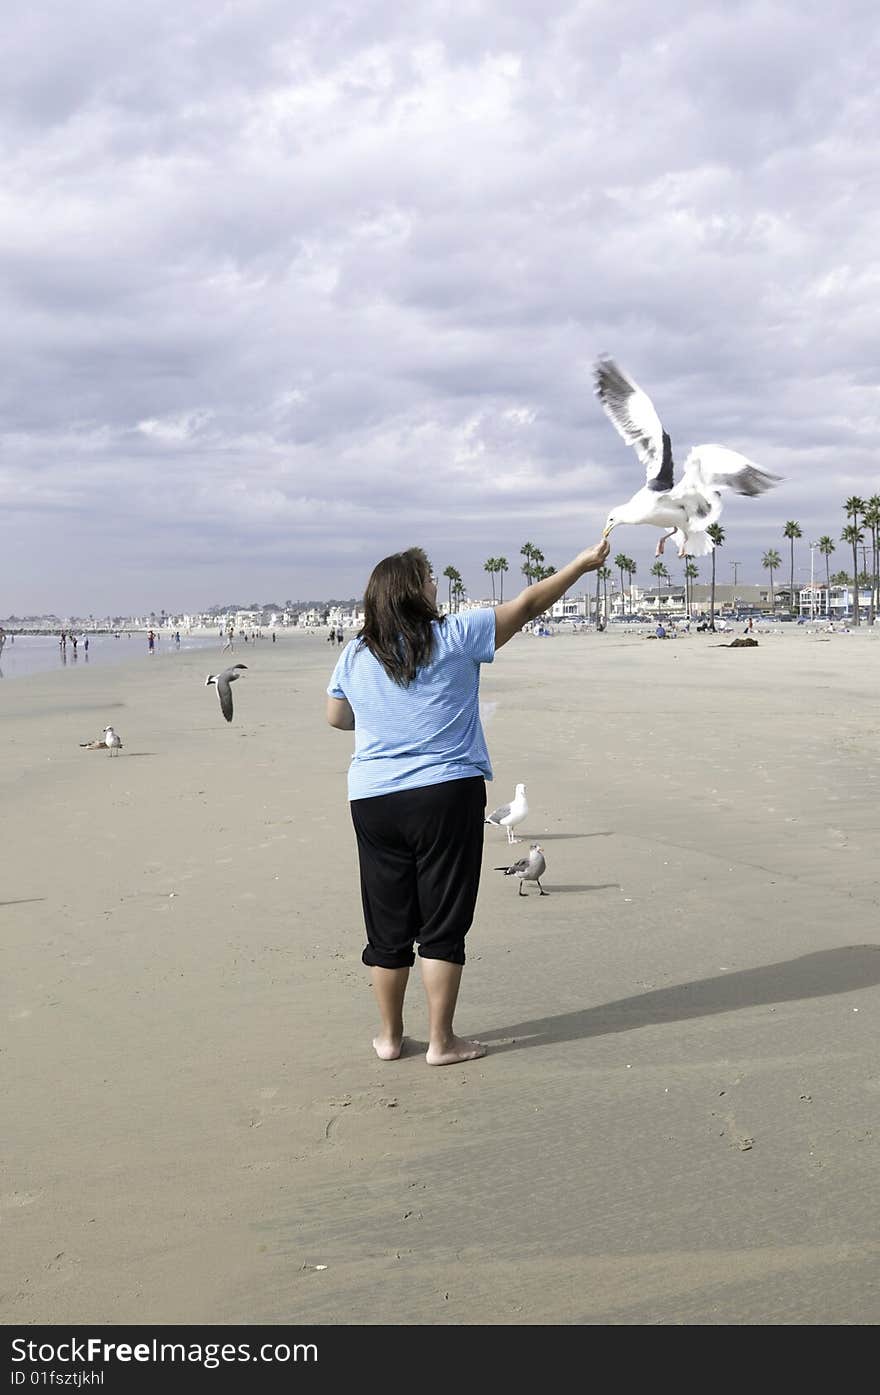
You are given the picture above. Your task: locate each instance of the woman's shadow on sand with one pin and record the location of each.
(818, 975)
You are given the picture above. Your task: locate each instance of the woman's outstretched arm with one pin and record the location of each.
(535, 599)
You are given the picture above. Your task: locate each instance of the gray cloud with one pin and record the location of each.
(292, 288)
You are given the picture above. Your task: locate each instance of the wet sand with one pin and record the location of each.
(677, 1120)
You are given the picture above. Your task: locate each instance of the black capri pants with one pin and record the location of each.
(420, 853)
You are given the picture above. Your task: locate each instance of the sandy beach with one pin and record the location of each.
(677, 1119)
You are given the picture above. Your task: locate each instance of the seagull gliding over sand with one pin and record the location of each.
(224, 691)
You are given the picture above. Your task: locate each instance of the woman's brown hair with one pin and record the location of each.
(398, 615)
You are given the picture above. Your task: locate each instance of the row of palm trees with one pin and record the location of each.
(861, 514)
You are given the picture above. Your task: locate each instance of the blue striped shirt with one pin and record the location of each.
(427, 733)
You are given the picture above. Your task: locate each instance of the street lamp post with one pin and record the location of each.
(813, 546)
(736, 566)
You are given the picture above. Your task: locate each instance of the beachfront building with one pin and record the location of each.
(663, 600)
(571, 607)
(727, 597)
(814, 601)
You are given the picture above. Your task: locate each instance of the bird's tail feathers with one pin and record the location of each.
(696, 544)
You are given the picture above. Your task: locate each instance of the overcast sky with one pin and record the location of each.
(292, 285)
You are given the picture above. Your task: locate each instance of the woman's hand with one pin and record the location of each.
(594, 556)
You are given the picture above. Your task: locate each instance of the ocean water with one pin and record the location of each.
(28, 654)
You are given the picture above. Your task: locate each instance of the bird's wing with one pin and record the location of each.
(224, 692)
(717, 467)
(633, 414)
(498, 814)
(515, 867)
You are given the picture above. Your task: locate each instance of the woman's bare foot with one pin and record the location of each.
(388, 1048)
(458, 1049)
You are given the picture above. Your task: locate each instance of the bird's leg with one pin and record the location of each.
(510, 837)
(541, 889)
(520, 892)
(663, 541)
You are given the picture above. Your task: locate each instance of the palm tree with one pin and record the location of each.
(659, 571)
(853, 507)
(691, 572)
(604, 574)
(791, 531)
(452, 576)
(853, 535)
(871, 518)
(716, 533)
(631, 571)
(770, 561)
(501, 567)
(826, 547)
(527, 551)
(458, 592)
(490, 566)
(620, 562)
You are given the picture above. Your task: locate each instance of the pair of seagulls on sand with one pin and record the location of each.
(509, 816)
(685, 510)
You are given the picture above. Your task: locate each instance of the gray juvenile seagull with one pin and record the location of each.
(510, 815)
(686, 509)
(224, 691)
(528, 869)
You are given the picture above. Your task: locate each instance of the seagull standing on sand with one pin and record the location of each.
(510, 815)
(224, 691)
(686, 509)
(112, 741)
(528, 869)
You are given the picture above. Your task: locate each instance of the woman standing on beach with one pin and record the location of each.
(408, 686)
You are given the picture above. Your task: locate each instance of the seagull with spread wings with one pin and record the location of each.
(687, 509)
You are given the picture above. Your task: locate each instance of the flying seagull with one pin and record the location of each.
(224, 691)
(528, 869)
(112, 741)
(686, 509)
(509, 815)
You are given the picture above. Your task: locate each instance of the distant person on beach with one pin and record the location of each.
(331, 638)
(660, 631)
(229, 641)
(151, 641)
(409, 690)
(340, 637)
(86, 643)
(74, 642)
